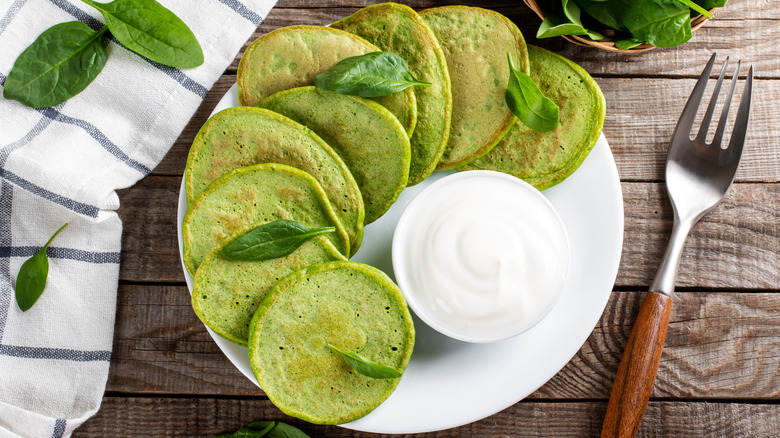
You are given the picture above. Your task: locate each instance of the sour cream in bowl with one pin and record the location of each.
(480, 256)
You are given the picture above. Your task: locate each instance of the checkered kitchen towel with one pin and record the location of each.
(64, 164)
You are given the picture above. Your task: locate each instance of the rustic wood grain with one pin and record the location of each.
(641, 116)
(744, 29)
(161, 347)
(737, 245)
(207, 417)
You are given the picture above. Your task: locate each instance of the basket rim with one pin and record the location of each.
(608, 43)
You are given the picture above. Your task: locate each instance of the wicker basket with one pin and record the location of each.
(608, 43)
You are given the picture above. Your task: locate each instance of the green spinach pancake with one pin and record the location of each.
(226, 292)
(399, 29)
(476, 42)
(351, 306)
(243, 136)
(254, 195)
(293, 56)
(368, 138)
(544, 159)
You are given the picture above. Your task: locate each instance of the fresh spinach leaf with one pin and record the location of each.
(149, 29)
(661, 23)
(627, 43)
(553, 27)
(58, 65)
(284, 430)
(609, 13)
(366, 367)
(31, 280)
(528, 103)
(572, 12)
(371, 75)
(271, 240)
(269, 429)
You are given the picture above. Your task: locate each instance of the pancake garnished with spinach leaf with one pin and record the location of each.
(293, 56)
(351, 306)
(544, 159)
(399, 29)
(254, 195)
(226, 292)
(476, 42)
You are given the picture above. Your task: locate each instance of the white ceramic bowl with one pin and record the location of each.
(481, 256)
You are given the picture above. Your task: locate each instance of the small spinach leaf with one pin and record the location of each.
(627, 43)
(271, 240)
(284, 430)
(528, 103)
(149, 29)
(572, 12)
(257, 429)
(58, 65)
(31, 280)
(269, 429)
(366, 367)
(553, 27)
(371, 75)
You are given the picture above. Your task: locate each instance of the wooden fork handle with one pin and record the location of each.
(636, 373)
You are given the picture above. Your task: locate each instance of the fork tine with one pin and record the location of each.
(685, 122)
(737, 140)
(705, 123)
(726, 105)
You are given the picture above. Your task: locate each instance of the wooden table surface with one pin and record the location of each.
(720, 371)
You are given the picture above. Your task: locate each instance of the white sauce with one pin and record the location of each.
(484, 255)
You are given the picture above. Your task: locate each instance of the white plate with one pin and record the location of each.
(450, 383)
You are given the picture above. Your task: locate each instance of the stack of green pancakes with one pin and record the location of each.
(296, 152)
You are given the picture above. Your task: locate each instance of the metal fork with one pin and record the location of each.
(697, 176)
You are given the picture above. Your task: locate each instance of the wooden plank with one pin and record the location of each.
(208, 417)
(719, 345)
(743, 29)
(737, 245)
(641, 116)
(736, 9)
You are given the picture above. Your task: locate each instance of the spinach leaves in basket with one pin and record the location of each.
(67, 57)
(662, 23)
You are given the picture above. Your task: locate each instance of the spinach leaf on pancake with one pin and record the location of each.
(226, 293)
(243, 136)
(367, 137)
(254, 195)
(399, 29)
(475, 43)
(352, 306)
(293, 56)
(546, 159)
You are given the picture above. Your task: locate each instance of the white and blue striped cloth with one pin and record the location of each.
(64, 164)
